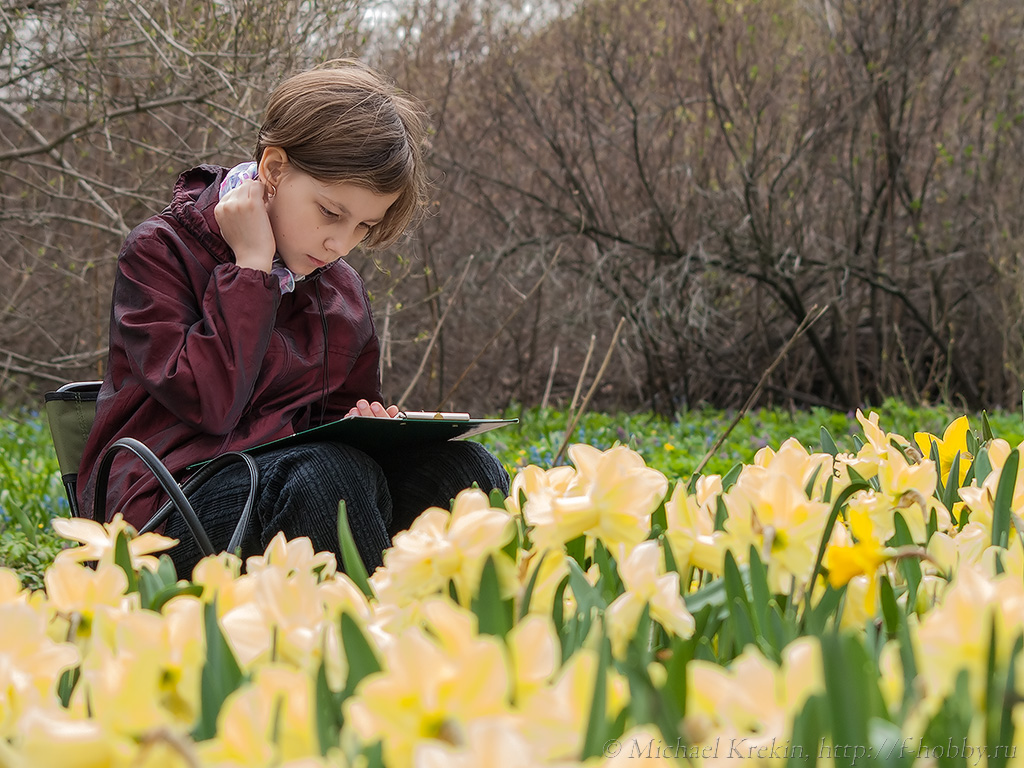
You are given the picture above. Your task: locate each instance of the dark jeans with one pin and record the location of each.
(300, 487)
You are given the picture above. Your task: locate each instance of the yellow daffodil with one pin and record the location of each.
(545, 570)
(860, 557)
(952, 443)
(645, 586)
(442, 546)
(611, 497)
(535, 654)
(966, 547)
(144, 672)
(282, 622)
(981, 499)
(491, 743)
(955, 634)
(221, 580)
(795, 462)
(425, 691)
(772, 513)
(691, 526)
(532, 481)
(77, 593)
(751, 703)
(30, 663)
(293, 556)
(910, 486)
(267, 722)
(54, 737)
(554, 718)
(97, 541)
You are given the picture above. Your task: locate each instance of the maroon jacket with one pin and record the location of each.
(207, 357)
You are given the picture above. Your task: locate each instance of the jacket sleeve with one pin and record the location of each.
(195, 340)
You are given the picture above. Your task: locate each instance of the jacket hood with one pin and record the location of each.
(195, 195)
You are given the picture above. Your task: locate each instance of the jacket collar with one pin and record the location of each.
(195, 196)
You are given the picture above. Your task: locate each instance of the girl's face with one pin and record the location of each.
(316, 223)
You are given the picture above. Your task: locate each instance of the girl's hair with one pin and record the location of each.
(344, 122)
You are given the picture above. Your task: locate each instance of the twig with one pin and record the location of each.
(590, 392)
(583, 375)
(497, 333)
(809, 319)
(385, 343)
(437, 330)
(551, 378)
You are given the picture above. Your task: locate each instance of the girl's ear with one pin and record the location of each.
(273, 164)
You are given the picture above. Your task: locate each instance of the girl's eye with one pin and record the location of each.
(327, 213)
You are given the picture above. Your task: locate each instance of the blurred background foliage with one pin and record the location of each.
(710, 171)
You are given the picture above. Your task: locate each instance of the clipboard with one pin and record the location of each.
(374, 434)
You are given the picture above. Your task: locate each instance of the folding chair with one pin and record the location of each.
(71, 411)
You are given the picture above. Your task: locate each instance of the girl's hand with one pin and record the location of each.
(245, 225)
(366, 408)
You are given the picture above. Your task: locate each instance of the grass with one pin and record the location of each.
(31, 493)
(677, 445)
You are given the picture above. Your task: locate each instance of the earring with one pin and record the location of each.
(271, 190)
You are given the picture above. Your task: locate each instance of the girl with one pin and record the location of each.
(236, 321)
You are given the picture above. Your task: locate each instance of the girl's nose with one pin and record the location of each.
(341, 245)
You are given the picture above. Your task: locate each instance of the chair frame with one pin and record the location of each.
(83, 393)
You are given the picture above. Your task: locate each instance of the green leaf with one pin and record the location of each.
(161, 598)
(1004, 498)
(910, 567)
(816, 619)
(828, 445)
(496, 498)
(328, 714)
(730, 477)
(524, 606)
(494, 614)
(887, 747)
(986, 428)
(952, 722)
(66, 686)
(16, 511)
(982, 465)
(675, 670)
(809, 487)
(221, 675)
(809, 728)
(972, 443)
(940, 490)
(1000, 695)
(949, 495)
(362, 660)
(597, 722)
(609, 582)
(721, 514)
(851, 685)
(577, 550)
(351, 562)
(744, 631)
(123, 559)
(890, 609)
(659, 519)
(760, 594)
